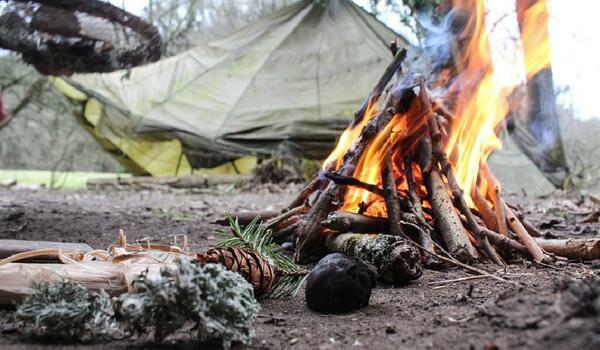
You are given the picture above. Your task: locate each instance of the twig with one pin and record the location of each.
(306, 192)
(273, 222)
(352, 181)
(461, 203)
(487, 214)
(453, 261)
(414, 197)
(468, 278)
(536, 252)
(494, 193)
(391, 196)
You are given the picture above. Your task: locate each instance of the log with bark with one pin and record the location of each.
(397, 261)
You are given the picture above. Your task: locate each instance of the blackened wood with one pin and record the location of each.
(394, 67)
(352, 181)
(306, 192)
(343, 221)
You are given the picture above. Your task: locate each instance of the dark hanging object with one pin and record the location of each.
(62, 37)
(254, 268)
(339, 284)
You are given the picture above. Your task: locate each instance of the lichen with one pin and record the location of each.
(396, 260)
(220, 303)
(68, 312)
(212, 301)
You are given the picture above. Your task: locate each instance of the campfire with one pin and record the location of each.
(413, 162)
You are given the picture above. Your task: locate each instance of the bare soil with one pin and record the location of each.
(429, 313)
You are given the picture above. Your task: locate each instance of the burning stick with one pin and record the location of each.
(351, 181)
(391, 197)
(308, 238)
(487, 214)
(343, 222)
(448, 223)
(415, 200)
(457, 193)
(494, 193)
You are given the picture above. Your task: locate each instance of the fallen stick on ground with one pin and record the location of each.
(462, 279)
(18, 278)
(583, 249)
(9, 247)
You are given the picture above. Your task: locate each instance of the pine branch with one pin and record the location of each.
(260, 241)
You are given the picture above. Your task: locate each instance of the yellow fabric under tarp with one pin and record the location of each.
(157, 158)
(288, 83)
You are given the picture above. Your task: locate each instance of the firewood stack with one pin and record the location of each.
(417, 187)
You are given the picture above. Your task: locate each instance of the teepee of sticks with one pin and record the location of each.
(412, 164)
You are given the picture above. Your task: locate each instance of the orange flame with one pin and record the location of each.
(349, 136)
(533, 22)
(481, 106)
(481, 101)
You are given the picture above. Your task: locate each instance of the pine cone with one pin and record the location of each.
(254, 268)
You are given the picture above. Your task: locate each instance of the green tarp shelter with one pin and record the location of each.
(289, 82)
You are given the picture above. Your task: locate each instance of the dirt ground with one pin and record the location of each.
(430, 313)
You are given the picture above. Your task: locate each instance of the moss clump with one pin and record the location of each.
(212, 301)
(67, 312)
(219, 303)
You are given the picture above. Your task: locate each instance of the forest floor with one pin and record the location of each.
(543, 310)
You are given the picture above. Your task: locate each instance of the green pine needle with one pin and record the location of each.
(255, 238)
